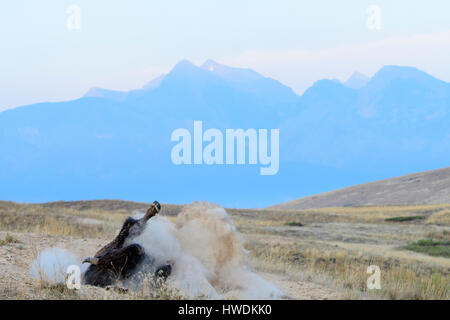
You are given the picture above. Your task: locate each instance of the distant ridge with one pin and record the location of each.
(96, 92)
(357, 80)
(230, 73)
(113, 144)
(429, 187)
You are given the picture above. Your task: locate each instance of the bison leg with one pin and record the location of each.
(114, 261)
(130, 228)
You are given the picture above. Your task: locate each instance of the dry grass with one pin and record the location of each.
(148, 291)
(94, 219)
(348, 271)
(330, 246)
(440, 218)
(8, 239)
(335, 246)
(433, 215)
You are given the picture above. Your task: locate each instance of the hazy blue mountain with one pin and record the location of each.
(230, 74)
(357, 80)
(111, 144)
(397, 123)
(122, 95)
(153, 84)
(266, 90)
(103, 147)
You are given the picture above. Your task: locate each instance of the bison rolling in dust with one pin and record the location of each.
(119, 260)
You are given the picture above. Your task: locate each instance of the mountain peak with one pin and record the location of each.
(231, 74)
(394, 71)
(186, 71)
(210, 65)
(357, 80)
(390, 73)
(184, 65)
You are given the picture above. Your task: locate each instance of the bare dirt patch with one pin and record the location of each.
(16, 282)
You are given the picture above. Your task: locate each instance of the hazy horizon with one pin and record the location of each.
(342, 81)
(121, 46)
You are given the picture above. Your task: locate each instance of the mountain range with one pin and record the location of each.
(113, 144)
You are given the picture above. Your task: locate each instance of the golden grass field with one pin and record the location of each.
(309, 254)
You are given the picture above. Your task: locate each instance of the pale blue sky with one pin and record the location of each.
(123, 44)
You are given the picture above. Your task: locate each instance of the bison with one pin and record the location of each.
(117, 261)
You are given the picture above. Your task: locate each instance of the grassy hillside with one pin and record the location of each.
(429, 187)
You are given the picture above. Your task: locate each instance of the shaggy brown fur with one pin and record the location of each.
(115, 261)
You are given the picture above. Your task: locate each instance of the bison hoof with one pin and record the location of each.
(157, 205)
(152, 211)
